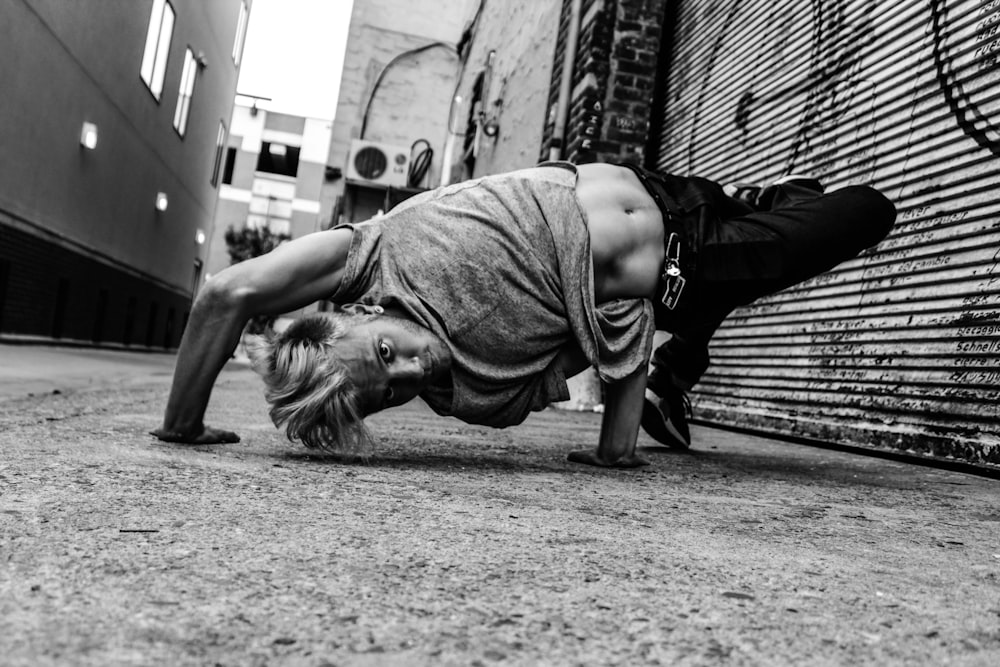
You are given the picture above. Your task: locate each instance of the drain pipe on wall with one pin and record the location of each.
(566, 84)
(449, 142)
(584, 388)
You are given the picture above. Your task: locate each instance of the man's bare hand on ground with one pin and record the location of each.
(591, 458)
(206, 436)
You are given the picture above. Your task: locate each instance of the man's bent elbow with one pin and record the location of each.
(223, 293)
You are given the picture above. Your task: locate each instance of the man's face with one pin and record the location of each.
(391, 360)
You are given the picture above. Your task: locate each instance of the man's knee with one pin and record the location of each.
(872, 212)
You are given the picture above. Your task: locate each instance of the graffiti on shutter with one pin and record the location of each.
(900, 347)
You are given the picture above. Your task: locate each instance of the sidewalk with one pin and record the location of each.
(460, 545)
(39, 369)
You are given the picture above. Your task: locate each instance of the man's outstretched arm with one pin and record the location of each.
(292, 276)
(620, 425)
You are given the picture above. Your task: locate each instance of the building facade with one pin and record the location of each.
(272, 174)
(401, 67)
(113, 136)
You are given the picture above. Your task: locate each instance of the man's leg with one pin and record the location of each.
(748, 257)
(762, 253)
(675, 367)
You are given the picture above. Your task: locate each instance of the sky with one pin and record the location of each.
(294, 53)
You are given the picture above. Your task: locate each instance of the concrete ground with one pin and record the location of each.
(460, 545)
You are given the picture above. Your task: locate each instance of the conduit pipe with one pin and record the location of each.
(566, 83)
(449, 143)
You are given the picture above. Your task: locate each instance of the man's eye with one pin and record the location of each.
(384, 350)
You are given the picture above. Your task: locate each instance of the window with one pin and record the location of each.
(151, 324)
(241, 32)
(4, 281)
(129, 321)
(154, 58)
(61, 304)
(227, 171)
(220, 147)
(278, 159)
(185, 92)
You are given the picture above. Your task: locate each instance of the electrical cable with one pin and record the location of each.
(419, 164)
(385, 70)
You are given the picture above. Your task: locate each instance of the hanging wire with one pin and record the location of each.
(419, 164)
(385, 70)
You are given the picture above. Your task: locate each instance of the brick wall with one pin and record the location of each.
(614, 80)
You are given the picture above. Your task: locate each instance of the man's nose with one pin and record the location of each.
(408, 369)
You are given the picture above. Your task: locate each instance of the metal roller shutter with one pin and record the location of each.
(899, 348)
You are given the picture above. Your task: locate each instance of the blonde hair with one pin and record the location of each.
(309, 389)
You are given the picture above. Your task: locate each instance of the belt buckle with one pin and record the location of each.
(672, 277)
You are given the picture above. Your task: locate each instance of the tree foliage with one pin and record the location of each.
(248, 242)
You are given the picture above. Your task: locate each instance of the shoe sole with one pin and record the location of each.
(660, 429)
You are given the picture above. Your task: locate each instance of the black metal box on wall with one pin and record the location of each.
(899, 348)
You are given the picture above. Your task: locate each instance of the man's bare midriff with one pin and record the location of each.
(626, 232)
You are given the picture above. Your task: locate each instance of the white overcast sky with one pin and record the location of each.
(294, 53)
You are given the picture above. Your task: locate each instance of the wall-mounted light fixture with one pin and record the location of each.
(161, 201)
(199, 237)
(88, 136)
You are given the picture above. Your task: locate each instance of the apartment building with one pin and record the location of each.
(113, 129)
(272, 173)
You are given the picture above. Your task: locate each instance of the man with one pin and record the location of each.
(482, 297)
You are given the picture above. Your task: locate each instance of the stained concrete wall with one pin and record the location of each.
(512, 47)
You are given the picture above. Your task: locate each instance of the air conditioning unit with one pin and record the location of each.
(378, 163)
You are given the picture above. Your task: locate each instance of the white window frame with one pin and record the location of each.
(185, 92)
(220, 151)
(157, 50)
(241, 33)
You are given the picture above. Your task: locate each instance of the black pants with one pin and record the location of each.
(742, 254)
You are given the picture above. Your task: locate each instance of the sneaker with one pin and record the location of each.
(801, 179)
(665, 419)
(744, 192)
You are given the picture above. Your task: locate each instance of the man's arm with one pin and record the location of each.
(292, 276)
(620, 425)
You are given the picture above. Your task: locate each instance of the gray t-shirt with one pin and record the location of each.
(501, 269)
